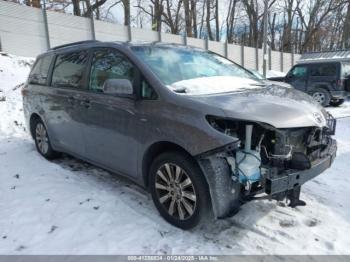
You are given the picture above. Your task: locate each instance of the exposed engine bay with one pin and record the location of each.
(270, 161)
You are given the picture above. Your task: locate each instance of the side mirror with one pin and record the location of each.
(122, 87)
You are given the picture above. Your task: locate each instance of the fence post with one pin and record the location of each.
(242, 54)
(159, 36)
(292, 57)
(92, 24)
(129, 33)
(46, 25)
(257, 57)
(281, 61)
(226, 49)
(206, 43)
(184, 39)
(270, 58)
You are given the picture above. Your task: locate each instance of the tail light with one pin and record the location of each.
(340, 82)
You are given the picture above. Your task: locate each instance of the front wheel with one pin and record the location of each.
(321, 96)
(179, 190)
(337, 102)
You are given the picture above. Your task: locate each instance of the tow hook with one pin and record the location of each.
(294, 196)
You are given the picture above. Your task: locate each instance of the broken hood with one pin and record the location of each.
(247, 99)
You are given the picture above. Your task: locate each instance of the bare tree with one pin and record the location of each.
(346, 28)
(319, 12)
(230, 18)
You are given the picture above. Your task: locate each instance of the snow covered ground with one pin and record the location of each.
(70, 207)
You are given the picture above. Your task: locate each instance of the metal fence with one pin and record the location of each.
(28, 31)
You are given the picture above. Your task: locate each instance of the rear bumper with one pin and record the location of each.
(339, 94)
(277, 183)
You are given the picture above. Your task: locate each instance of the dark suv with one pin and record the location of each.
(198, 131)
(327, 82)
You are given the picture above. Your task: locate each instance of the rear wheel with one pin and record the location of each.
(321, 96)
(179, 190)
(42, 140)
(337, 102)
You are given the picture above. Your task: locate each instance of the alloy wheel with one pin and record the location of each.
(41, 138)
(175, 191)
(319, 97)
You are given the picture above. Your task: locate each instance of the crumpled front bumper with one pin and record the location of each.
(226, 194)
(277, 183)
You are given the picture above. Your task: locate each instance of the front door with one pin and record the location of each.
(110, 120)
(297, 77)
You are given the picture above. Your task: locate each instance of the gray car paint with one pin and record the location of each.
(116, 133)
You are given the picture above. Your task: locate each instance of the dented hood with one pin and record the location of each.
(281, 107)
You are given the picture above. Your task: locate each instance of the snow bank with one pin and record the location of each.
(273, 73)
(13, 73)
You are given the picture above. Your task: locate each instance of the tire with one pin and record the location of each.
(336, 102)
(321, 96)
(42, 141)
(184, 200)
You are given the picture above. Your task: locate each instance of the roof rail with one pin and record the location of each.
(327, 51)
(338, 55)
(74, 43)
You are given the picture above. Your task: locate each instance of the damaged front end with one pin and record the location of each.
(264, 162)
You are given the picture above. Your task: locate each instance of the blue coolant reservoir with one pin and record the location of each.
(248, 164)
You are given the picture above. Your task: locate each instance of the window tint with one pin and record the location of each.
(299, 71)
(40, 70)
(324, 70)
(69, 69)
(109, 64)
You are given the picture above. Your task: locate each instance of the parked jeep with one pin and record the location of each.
(198, 131)
(326, 82)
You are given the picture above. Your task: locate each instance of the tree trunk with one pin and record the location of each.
(210, 35)
(188, 24)
(126, 5)
(194, 17)
(217, 25)
(76, 7)
(346, 30)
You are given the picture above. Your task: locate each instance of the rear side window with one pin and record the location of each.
(38, 75)
(324, 70)
(69, 69)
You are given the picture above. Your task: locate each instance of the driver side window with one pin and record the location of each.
(109, 64)
(299, 72)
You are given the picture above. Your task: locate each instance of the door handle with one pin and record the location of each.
(85, 103)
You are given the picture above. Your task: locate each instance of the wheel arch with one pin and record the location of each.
(156, 149)
(32, 119)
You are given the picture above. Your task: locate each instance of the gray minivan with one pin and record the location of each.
(201, 133)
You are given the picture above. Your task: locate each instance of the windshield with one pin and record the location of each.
(173, 65)
(257, 74)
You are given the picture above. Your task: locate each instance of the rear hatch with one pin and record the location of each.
(346, 75)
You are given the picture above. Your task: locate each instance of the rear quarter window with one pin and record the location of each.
(324, 70)
(39, 73)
